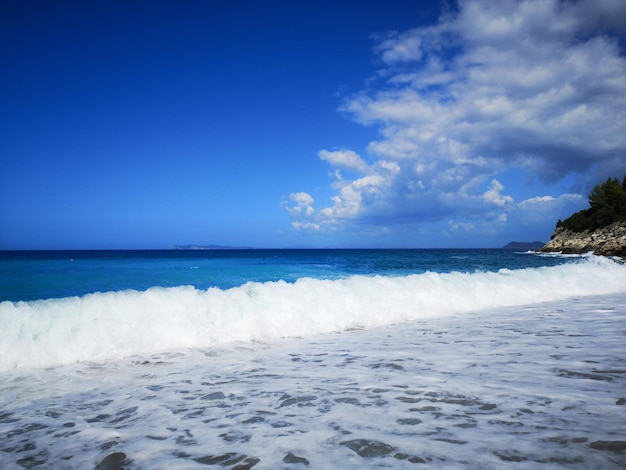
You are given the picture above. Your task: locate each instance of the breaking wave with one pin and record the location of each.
(104, 326)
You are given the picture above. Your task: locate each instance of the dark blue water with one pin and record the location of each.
(31, 275)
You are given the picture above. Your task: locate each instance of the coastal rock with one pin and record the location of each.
(605, 241)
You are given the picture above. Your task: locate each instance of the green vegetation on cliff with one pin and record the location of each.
(607, 204)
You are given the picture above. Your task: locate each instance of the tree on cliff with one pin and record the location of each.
(607, 204)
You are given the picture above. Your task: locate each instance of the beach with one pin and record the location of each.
(322, 235)
(538, 386)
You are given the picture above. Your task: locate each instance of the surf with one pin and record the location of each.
(109, 325)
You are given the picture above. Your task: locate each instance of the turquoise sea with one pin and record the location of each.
(32, 275)
(352, 359)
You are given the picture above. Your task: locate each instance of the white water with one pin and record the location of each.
(104, 326)
(526, 387)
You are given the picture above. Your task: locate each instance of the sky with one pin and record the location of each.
(278, 124)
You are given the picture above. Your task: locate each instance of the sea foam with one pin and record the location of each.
(103, 326)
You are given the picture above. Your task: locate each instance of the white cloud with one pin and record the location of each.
(547, 208)
(303, 205)
(305, 226)
(494, 196)
(400, 48)
(537, 200)
(533, 85)
(534, 202)
(344, 158)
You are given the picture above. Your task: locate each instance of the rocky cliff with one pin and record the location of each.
(606, 241)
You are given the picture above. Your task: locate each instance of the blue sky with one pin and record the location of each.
(146, 124)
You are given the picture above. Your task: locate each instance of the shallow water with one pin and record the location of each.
(541, 386)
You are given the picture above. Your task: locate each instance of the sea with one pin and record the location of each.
(342, 359)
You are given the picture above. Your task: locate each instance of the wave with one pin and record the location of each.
(105, 326)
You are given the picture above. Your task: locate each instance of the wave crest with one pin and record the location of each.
(111, 325)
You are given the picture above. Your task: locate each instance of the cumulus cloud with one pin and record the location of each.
(494, 196)
(302, 204)
(344, 158)
(532, 85)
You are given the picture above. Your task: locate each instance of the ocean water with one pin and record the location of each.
(34, 275)
(311, 359)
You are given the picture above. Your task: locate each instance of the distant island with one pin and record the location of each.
(523, 246)
(209, 247)
(600, 229)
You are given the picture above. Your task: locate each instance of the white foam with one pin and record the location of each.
(525, 387)
(104, 326)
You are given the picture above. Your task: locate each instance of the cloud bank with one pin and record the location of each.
(534, 86)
